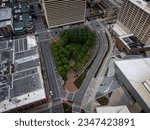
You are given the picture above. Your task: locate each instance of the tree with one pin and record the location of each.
(64, 75)
(89, 43)
(79, 57)
(74, 54)
(74, 44)
(66, 67)
(64, 60)
(60, 69)
(77, 66)
(67, 54)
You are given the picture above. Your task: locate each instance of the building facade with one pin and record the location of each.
(134, 76)
(64, 12)
(134, 17)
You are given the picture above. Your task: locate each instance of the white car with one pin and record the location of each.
(50, 92)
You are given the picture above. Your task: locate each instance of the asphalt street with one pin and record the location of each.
(43, 36)
(99, 58)
(52, 79)
(38, 21)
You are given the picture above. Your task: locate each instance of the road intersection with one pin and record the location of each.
(58, 92)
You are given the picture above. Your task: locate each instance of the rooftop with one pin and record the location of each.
(137, 72)
(131, 41)
(118, 30)
(106, 4)
(21, 7)
(22, 18)
(5, 23)
(5, 14)
(112, 109)
(21, 80)
(21, 21)
(141, 4)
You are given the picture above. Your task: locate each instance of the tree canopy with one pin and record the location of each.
(74, 44)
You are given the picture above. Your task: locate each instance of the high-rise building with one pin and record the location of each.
(134, 77)
(64, 12)
(134, 17)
